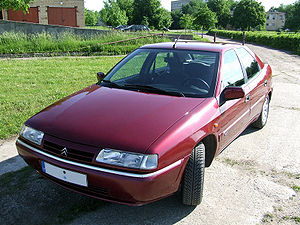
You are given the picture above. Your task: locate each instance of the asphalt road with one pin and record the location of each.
(251, 182)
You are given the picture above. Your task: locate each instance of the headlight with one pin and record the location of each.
(32, 135)
(127, 159)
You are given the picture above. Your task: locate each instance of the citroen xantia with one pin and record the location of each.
(152, 124)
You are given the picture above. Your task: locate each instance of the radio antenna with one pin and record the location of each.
(174, 46)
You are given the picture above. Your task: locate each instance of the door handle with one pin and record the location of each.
(266, 83)
(247, 98)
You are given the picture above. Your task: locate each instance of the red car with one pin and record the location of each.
(151, 125)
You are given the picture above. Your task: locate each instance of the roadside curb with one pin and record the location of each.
(9, 159)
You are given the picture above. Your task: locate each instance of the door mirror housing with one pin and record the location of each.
(100, 76)
(231, 93)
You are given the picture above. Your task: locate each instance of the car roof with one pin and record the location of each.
(193, 45)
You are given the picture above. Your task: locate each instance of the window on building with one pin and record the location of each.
(281, 17)
(268, 17)
(267, 24)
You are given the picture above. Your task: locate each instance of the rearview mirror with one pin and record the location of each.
(231, 93)
(100, 76)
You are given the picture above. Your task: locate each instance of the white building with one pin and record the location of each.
(179, 3)
(275, 20)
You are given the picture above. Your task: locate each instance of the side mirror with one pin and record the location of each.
(100, 76)
(231, 93)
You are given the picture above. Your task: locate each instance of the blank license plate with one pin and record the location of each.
(65, 175)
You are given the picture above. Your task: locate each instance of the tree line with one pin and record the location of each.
(222, 14)
(292, 15)
(122, 12)
(241, 14)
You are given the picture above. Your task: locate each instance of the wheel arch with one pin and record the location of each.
(210, 143)
(270, 95)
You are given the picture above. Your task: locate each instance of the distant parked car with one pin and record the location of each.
(134, 28)
(121, 27)
(151, 125)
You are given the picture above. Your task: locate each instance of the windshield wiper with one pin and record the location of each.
(112, 84)
(153, 89)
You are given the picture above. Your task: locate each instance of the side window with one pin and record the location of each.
(250, 64)
(132, 67)
(232, 73)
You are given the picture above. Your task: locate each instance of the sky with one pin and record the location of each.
(98, 4)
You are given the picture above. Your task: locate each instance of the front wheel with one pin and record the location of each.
(262, 119)
(193, 178)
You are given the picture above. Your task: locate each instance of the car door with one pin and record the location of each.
(256, 81)
(234, 113)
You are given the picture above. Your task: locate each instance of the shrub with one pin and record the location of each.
(282, 40)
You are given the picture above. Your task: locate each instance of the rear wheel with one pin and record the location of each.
(193, 178)
(262, 119)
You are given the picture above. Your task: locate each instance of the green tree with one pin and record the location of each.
(162, 19)
(127, 6)
(192, 7)
(282, 8)
(232, 4)
(292, 15)
(151, 11)
(145, 8)
(176, 16)
(249, 14)
(186, 21)
(15, 4)
(272, 9)
(222, 10)
(91, 17)
(112, 15)
(145, 21)
(204, 18)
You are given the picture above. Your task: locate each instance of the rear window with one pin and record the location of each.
(249, 62)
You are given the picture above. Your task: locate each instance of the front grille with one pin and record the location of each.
(72, 154)
(90, 190)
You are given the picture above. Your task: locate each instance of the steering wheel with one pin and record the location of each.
(197, 82)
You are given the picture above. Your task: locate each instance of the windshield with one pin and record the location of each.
(185, 73)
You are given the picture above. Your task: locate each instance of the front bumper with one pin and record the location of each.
(108, 184)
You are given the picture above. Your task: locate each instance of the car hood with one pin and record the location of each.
(112, 118)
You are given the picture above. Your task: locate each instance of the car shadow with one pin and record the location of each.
(12, 164)
(248, 130)
(28, 198)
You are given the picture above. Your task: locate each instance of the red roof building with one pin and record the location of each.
(53, 12)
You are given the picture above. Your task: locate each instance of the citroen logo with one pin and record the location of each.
(64, 151)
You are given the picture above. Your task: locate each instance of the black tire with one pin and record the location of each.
(193, 178)
(263, 117)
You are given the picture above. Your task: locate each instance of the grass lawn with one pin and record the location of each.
(20, 43)
(29, 85)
